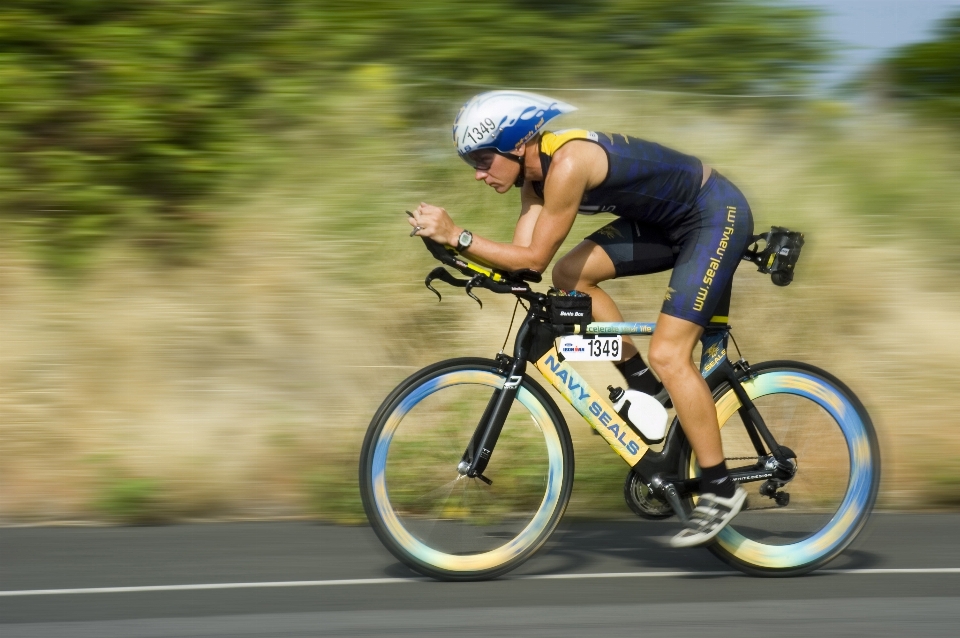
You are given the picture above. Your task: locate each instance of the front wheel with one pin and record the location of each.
(439, 522)
(799, 526)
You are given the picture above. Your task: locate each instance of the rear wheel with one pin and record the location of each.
(446, 525)
(798, 526)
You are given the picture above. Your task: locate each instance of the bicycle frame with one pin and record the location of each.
(535, 343)
(595, 408)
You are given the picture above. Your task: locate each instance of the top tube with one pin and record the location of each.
(714, 339)
(620, 328)
(639, 328)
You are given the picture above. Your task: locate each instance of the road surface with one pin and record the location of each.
(292, 579)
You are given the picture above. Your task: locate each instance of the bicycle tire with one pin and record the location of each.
(837, 485)
(452, 527)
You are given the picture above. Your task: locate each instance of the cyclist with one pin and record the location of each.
(673, 212)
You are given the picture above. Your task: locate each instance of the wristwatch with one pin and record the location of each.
(466, 238)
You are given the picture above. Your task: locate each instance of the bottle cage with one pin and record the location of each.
(778, 256)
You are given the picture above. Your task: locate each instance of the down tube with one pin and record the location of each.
(594, 408)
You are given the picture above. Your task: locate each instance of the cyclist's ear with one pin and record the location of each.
(520, 155)
(521, 151)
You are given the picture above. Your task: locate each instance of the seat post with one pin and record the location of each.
(721, 314)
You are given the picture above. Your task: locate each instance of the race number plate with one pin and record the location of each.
(578, 348)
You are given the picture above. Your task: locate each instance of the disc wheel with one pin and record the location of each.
(447, 525)
(801, 525)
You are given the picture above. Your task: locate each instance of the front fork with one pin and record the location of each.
(480, 448)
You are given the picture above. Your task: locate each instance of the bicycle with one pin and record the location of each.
(467, 466)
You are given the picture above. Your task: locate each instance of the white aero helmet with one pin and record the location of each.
(503, 120)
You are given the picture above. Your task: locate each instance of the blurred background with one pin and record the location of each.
(206, 283)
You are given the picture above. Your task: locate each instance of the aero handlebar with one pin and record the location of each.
(493, 280)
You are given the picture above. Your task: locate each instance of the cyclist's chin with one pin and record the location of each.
(501, 188)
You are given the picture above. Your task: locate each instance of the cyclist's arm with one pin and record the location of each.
(563, 191)
(530, 206)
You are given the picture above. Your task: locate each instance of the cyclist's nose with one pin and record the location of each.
(480, 175)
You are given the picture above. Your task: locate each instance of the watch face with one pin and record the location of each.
(466, 237)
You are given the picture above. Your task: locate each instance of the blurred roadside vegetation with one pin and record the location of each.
(224, 185)
(127, 119)
(117, 118)
(927, 74)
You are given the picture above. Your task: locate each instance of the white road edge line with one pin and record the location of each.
(392, 581)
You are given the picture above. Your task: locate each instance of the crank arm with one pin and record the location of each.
(664, 488)
(670, 492)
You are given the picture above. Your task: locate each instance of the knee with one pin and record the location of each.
(567, 274)
(583, 268)
(667, 359)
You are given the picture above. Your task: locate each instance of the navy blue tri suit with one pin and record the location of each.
(666, 220)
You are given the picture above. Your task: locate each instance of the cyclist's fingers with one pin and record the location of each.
(425, 209)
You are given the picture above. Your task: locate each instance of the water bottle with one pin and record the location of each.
(642, 412)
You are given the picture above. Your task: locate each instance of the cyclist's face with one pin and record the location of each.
(493, 169)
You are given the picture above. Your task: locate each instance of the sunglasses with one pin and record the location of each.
(480, 160)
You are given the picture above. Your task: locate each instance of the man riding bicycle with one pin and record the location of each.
(674, 212)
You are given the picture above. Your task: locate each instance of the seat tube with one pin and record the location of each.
(714, 360)
(714, 351)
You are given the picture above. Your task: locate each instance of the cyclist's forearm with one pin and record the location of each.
(551, 228)
(507, 256)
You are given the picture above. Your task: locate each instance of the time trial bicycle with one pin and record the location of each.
(468, 465)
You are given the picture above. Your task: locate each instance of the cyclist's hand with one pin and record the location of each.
(435, 224)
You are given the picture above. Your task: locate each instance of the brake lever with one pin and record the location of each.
(443, 275)
(475, 281)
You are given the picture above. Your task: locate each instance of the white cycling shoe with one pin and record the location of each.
(711, 515)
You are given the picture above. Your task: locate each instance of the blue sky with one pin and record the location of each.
(870, 28)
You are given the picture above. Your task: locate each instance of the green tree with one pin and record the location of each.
(121, 116)
(927, 74)
(118, 115)
(705, 45)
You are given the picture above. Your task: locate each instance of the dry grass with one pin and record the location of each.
(241, 385)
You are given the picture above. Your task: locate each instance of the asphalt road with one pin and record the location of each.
(595, 579)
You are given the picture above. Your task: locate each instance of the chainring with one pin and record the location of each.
(641, 500)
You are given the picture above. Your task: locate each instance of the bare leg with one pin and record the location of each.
(583, 268)
(671, 350)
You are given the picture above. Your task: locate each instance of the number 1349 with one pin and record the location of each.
(578, 348)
